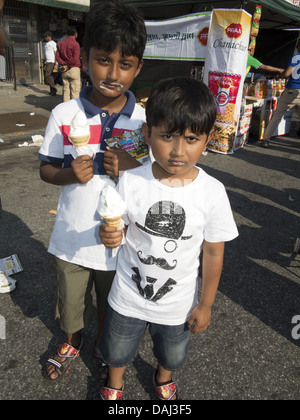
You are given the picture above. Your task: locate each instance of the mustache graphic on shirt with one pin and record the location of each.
(160, 262)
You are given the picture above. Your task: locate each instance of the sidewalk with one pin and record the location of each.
(251, 349)
(24, 113)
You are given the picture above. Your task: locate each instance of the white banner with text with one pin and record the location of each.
(183, 38)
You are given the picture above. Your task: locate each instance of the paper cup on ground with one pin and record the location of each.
(7, 284)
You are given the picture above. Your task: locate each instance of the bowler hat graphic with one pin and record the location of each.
(165, 219)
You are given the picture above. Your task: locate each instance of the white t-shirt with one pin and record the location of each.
(75, 237)
(157, 269)
(50, 48)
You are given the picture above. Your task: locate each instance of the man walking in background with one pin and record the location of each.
(49, 57)
(68, 56)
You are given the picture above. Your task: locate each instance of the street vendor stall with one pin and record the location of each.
(232, 131)
(208, 43)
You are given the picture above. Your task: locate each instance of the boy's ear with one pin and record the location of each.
(209, 137)
(139, 68)
(146, 132)
(84, 57)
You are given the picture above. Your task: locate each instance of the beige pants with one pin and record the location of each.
(74, 304)
(289, 99)
(71, 83)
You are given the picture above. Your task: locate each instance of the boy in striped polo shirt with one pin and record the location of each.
(115, 38)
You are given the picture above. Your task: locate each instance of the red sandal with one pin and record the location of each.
(167, 390)
(68, 352)
(111, 393)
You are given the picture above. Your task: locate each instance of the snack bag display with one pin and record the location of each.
(225, 88)
(224, 71)
(133, 142)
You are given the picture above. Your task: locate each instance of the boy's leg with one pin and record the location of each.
(74, 306)
(162, 377)
(118, 346)
(171, 345)
(103, 281)
(115, 377)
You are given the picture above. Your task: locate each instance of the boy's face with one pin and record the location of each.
(176, 154)
(111, 73)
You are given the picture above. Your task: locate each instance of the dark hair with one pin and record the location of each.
(71, 31)
(111, 24)
(181, 103)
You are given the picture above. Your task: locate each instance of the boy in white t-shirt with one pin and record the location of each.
(174, 211)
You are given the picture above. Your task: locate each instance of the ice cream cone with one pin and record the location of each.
(80, 140)
(113, 221)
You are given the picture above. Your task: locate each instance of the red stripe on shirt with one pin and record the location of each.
(95, 131)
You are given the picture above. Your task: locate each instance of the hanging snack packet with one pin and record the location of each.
(255, 28)
(257, 13)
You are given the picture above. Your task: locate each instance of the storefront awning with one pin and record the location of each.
(283, 7)
(80, 5)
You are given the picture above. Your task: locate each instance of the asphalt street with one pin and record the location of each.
(251, 351)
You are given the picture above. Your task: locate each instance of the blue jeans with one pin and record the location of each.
(122, 335)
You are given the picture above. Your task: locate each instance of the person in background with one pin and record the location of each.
(2, 55)
(49, 61)
(68, 56)
(289, 99)
(257, 65)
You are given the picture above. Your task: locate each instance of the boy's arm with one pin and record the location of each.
(212, 264)
(116, 160)
(81, 171)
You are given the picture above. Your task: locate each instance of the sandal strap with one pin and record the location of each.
(167, 391)
(55, 363)
(111, 393)
(66, 350)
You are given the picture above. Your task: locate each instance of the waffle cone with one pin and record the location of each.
(79, 141)
(113, 221)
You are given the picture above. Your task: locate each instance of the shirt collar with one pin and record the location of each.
(92, 110)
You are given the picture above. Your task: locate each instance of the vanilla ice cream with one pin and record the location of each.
(79, 127)
(79, 134)
(112, 206)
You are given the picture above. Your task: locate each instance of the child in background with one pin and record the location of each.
(115, 38)
(174, 211)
